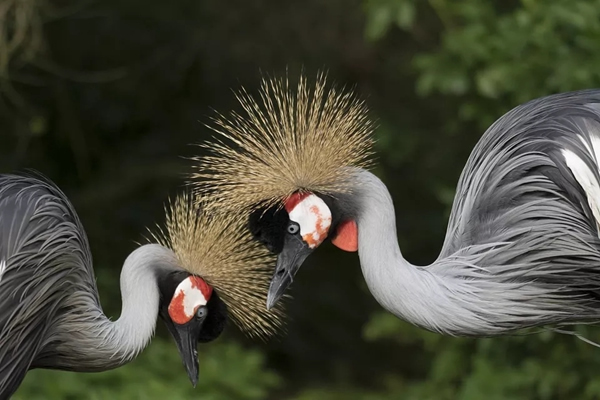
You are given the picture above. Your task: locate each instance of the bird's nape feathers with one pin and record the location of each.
(217, 247)
(286, 141)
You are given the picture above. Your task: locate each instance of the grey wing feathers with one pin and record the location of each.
(517, 174)
(46, 254)
(519, 210)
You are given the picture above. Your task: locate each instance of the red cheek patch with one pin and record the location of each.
(294, 199)
(347, 236)
(176, 309)
(200, 284)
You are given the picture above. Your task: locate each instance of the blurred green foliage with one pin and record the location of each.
(159, 374)
(118, 90)
(495, 54)
(537, 364)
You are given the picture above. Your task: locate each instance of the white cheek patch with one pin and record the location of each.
(187, 299)
(314, 218)
(193, 298)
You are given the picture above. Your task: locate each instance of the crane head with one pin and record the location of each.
(288, 140)
(309, 223)
(220, 270)
(193, 314)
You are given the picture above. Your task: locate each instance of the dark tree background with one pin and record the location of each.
(108, 97)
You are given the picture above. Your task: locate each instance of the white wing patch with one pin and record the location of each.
(2, 267)
(595, 139)
(585, 176)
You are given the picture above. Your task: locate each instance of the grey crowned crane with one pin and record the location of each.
(201, 270)
(522, 247)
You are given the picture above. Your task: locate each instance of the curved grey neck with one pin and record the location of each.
(422, 296)
(132, 332)
(92, 342)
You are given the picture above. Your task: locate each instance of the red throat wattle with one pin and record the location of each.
(347, 236)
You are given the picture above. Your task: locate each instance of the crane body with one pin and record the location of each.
(522, 247)
(50, 312)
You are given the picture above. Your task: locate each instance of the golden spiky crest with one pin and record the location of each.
(286, 141)
(217, 247)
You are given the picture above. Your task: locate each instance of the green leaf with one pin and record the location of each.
(379, 19)
(405, 15)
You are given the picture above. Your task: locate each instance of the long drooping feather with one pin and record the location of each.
(217, 247)
(46, 260)
(522, 247)
(286, 141)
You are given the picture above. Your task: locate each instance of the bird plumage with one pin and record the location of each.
(35, 217)
(290, 140)
(522, 213)
(217, 247)
(50, 313)
(522, 246)
(488, 288)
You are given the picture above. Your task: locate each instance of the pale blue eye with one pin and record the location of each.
(293, 228)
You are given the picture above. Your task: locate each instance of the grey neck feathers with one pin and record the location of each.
(94, 342)
(429, 297)
(140, 296)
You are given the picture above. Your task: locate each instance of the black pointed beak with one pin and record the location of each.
(186, 338)
(295, 251)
